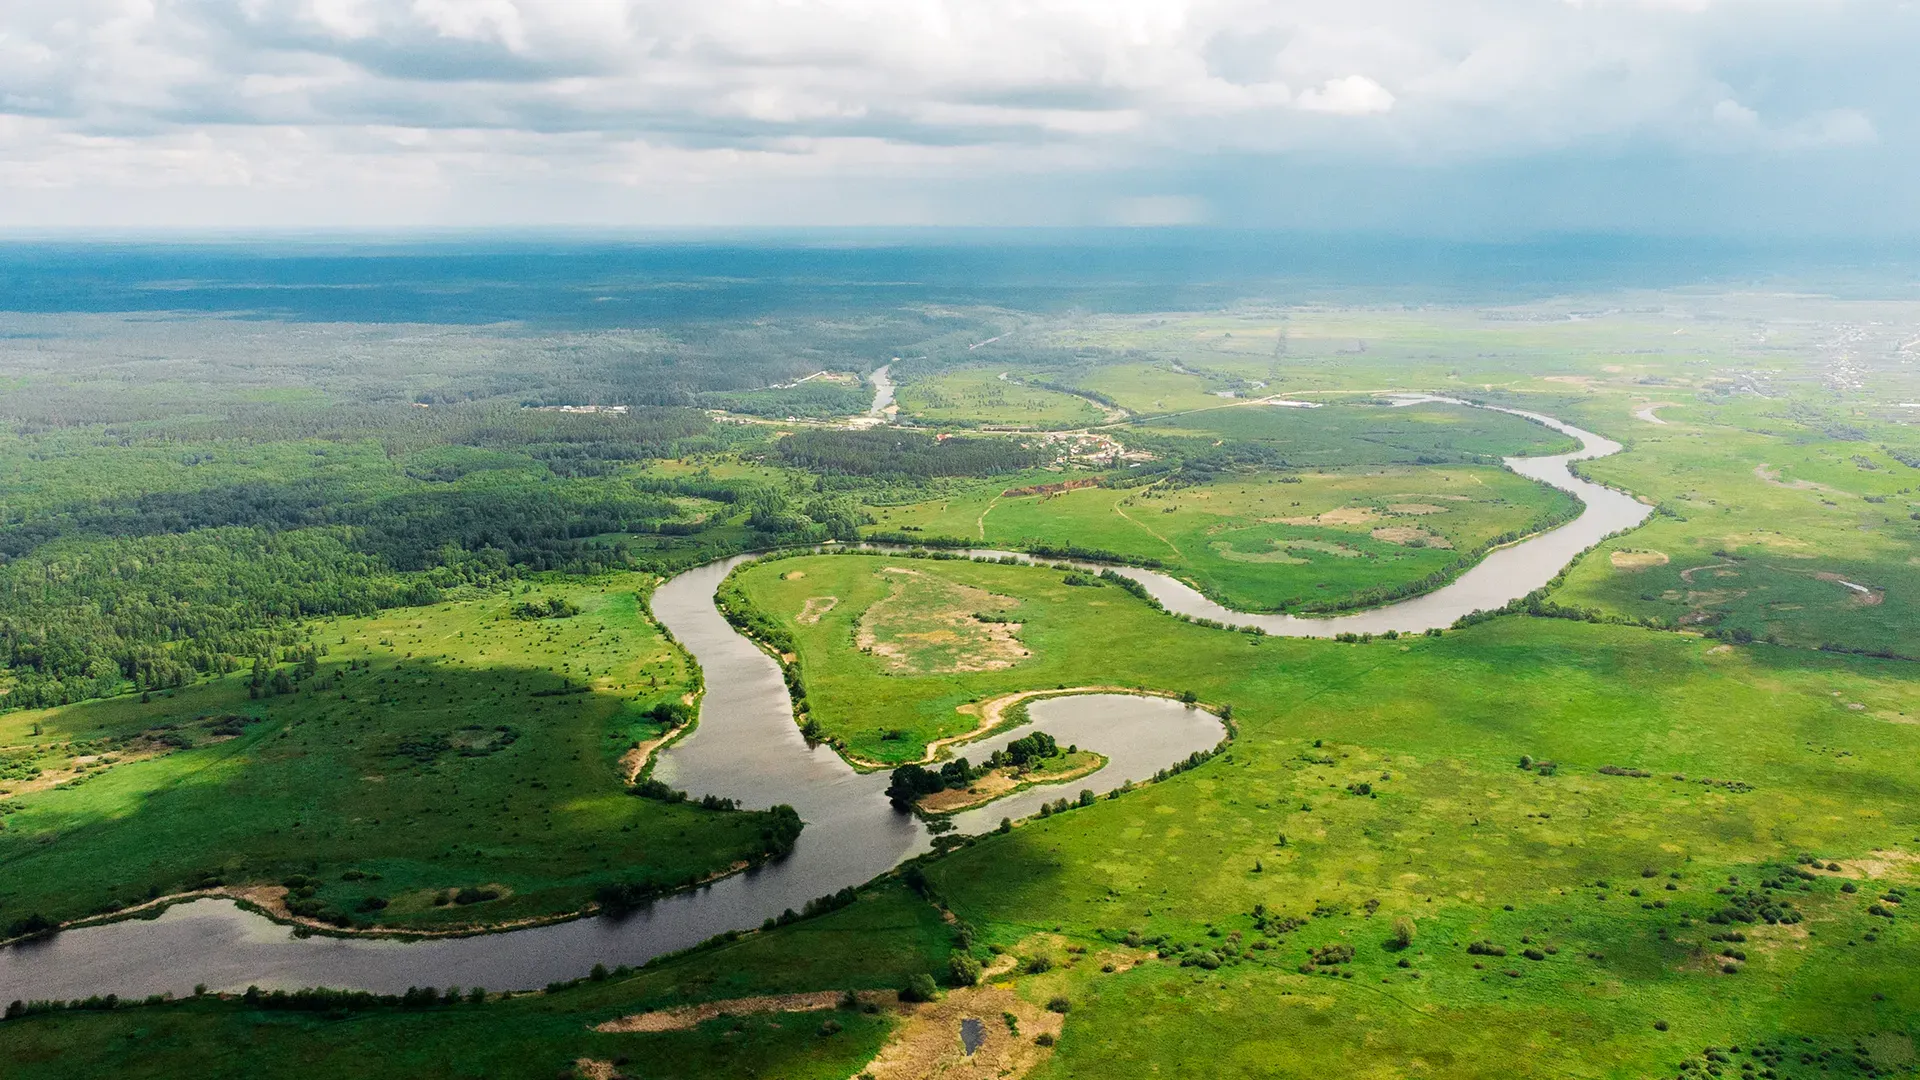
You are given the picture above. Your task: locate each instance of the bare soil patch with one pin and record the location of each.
(926, 625)
(1345, 515)
(816, 606)
(686, 1017)
(927, 1041)
(1410, 536)
(1416, 508)
(1634, 561)
(1226, 550)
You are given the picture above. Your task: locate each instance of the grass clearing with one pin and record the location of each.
(992, 396)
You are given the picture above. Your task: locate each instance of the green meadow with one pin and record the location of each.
(455, 764)
(994, 396)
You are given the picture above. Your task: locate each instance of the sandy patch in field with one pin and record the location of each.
(1345, 515)
(1632, 561)
(1877, 864)
(927, 1041)
(1772, 476)
(686, 1017)
(1324, 548)
(1862, 595)
(591, 1069)
(816, 606)
(925, 625)
(1574, 380)
(985, 788)
(1687, 574)
(793, 575)
(1407, 535)
(1416, 508)
(1226, 550)
(635, 760)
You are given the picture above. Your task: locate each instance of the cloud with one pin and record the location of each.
(1354, 95)
(959, 102)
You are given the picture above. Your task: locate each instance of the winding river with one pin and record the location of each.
(747, 747)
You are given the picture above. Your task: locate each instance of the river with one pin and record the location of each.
(747, 747)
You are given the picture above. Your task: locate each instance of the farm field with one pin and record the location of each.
(429, 767)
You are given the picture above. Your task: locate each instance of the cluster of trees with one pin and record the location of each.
(908, 783)
(890, 452)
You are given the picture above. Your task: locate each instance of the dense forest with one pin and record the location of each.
(893, 453)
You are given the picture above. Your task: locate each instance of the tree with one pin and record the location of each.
(963, 969)
(919, 988)
(1402, 933)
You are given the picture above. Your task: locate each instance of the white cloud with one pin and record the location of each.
(1354, 95)
(127, 95)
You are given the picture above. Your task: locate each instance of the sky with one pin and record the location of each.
(1481, 118)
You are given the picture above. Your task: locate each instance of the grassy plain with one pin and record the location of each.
(430, 750)
(1752, 757)
(984, 396)
(1268, 541)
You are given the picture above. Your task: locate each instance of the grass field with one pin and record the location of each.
(984, 396)
(1268, 541)
(1753, 756)
(1344, 435)
(429, 750)
(1766, 517)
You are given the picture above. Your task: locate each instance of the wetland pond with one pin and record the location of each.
(747, 747)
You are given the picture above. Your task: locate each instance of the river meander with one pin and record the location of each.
(747, 747)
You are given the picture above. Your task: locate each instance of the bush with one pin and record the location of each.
(919, 988)
(1045, 1038)
(963, 969)
(1060, 1005)
(1039, 965)
(1402, 934)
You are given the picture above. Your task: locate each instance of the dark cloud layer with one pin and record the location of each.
(385, 112)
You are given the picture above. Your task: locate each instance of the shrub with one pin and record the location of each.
(830, 1026)
(1402, 934)
(1039, 964)
(1045, 1038)
(1060, 1005)
(919, 988)
(963, 969)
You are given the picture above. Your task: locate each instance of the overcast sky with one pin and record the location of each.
(1474, 117)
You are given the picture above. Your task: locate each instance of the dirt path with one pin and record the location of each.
(685, 1017)
(1150, 532)
(980, 523)
(1687, 574)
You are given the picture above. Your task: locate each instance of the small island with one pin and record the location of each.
(1036, 758)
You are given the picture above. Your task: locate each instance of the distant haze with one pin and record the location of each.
(1470, 118)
